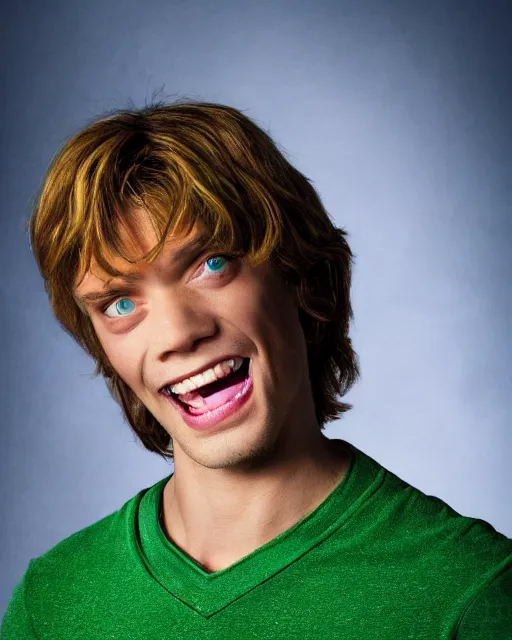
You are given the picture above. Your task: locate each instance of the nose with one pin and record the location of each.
(178, 325)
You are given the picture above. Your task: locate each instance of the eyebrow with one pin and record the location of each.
(179, 256)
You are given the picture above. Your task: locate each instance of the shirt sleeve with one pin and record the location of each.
(16, 623)
(489, 615)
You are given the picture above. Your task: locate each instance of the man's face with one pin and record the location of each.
(179, 317)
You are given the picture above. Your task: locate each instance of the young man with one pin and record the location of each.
(202, 274)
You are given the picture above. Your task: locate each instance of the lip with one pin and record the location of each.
(217, 416)
(203, 367)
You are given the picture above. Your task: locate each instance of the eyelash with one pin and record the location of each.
(228, 257)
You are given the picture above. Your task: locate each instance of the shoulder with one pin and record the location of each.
(88, 556)
(430, 522)
(426, 535)
(457, 565)
(449, 548)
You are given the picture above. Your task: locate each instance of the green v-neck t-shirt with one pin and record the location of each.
(376, 559)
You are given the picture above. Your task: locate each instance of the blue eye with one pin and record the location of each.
(216, 260)
(122, 305)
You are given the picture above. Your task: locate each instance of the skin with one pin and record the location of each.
(239, 485)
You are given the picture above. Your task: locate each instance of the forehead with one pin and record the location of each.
(138, 237)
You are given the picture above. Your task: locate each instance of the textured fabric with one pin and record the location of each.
(377, 559)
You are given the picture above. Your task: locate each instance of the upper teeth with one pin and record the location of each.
(220, 370)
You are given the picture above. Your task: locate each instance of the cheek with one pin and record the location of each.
(125, 365)
(122, 355)
(274, 319)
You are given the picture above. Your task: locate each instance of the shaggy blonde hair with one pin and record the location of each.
(187, 162)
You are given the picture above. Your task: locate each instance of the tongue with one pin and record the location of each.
(199, 404)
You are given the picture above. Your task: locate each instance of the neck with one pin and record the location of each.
(218, 516)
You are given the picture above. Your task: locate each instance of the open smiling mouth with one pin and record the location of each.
(214, 394)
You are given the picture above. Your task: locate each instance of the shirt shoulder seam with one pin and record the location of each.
(506, 567)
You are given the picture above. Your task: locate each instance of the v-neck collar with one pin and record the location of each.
(208, 593)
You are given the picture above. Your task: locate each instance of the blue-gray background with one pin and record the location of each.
(398, 111)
